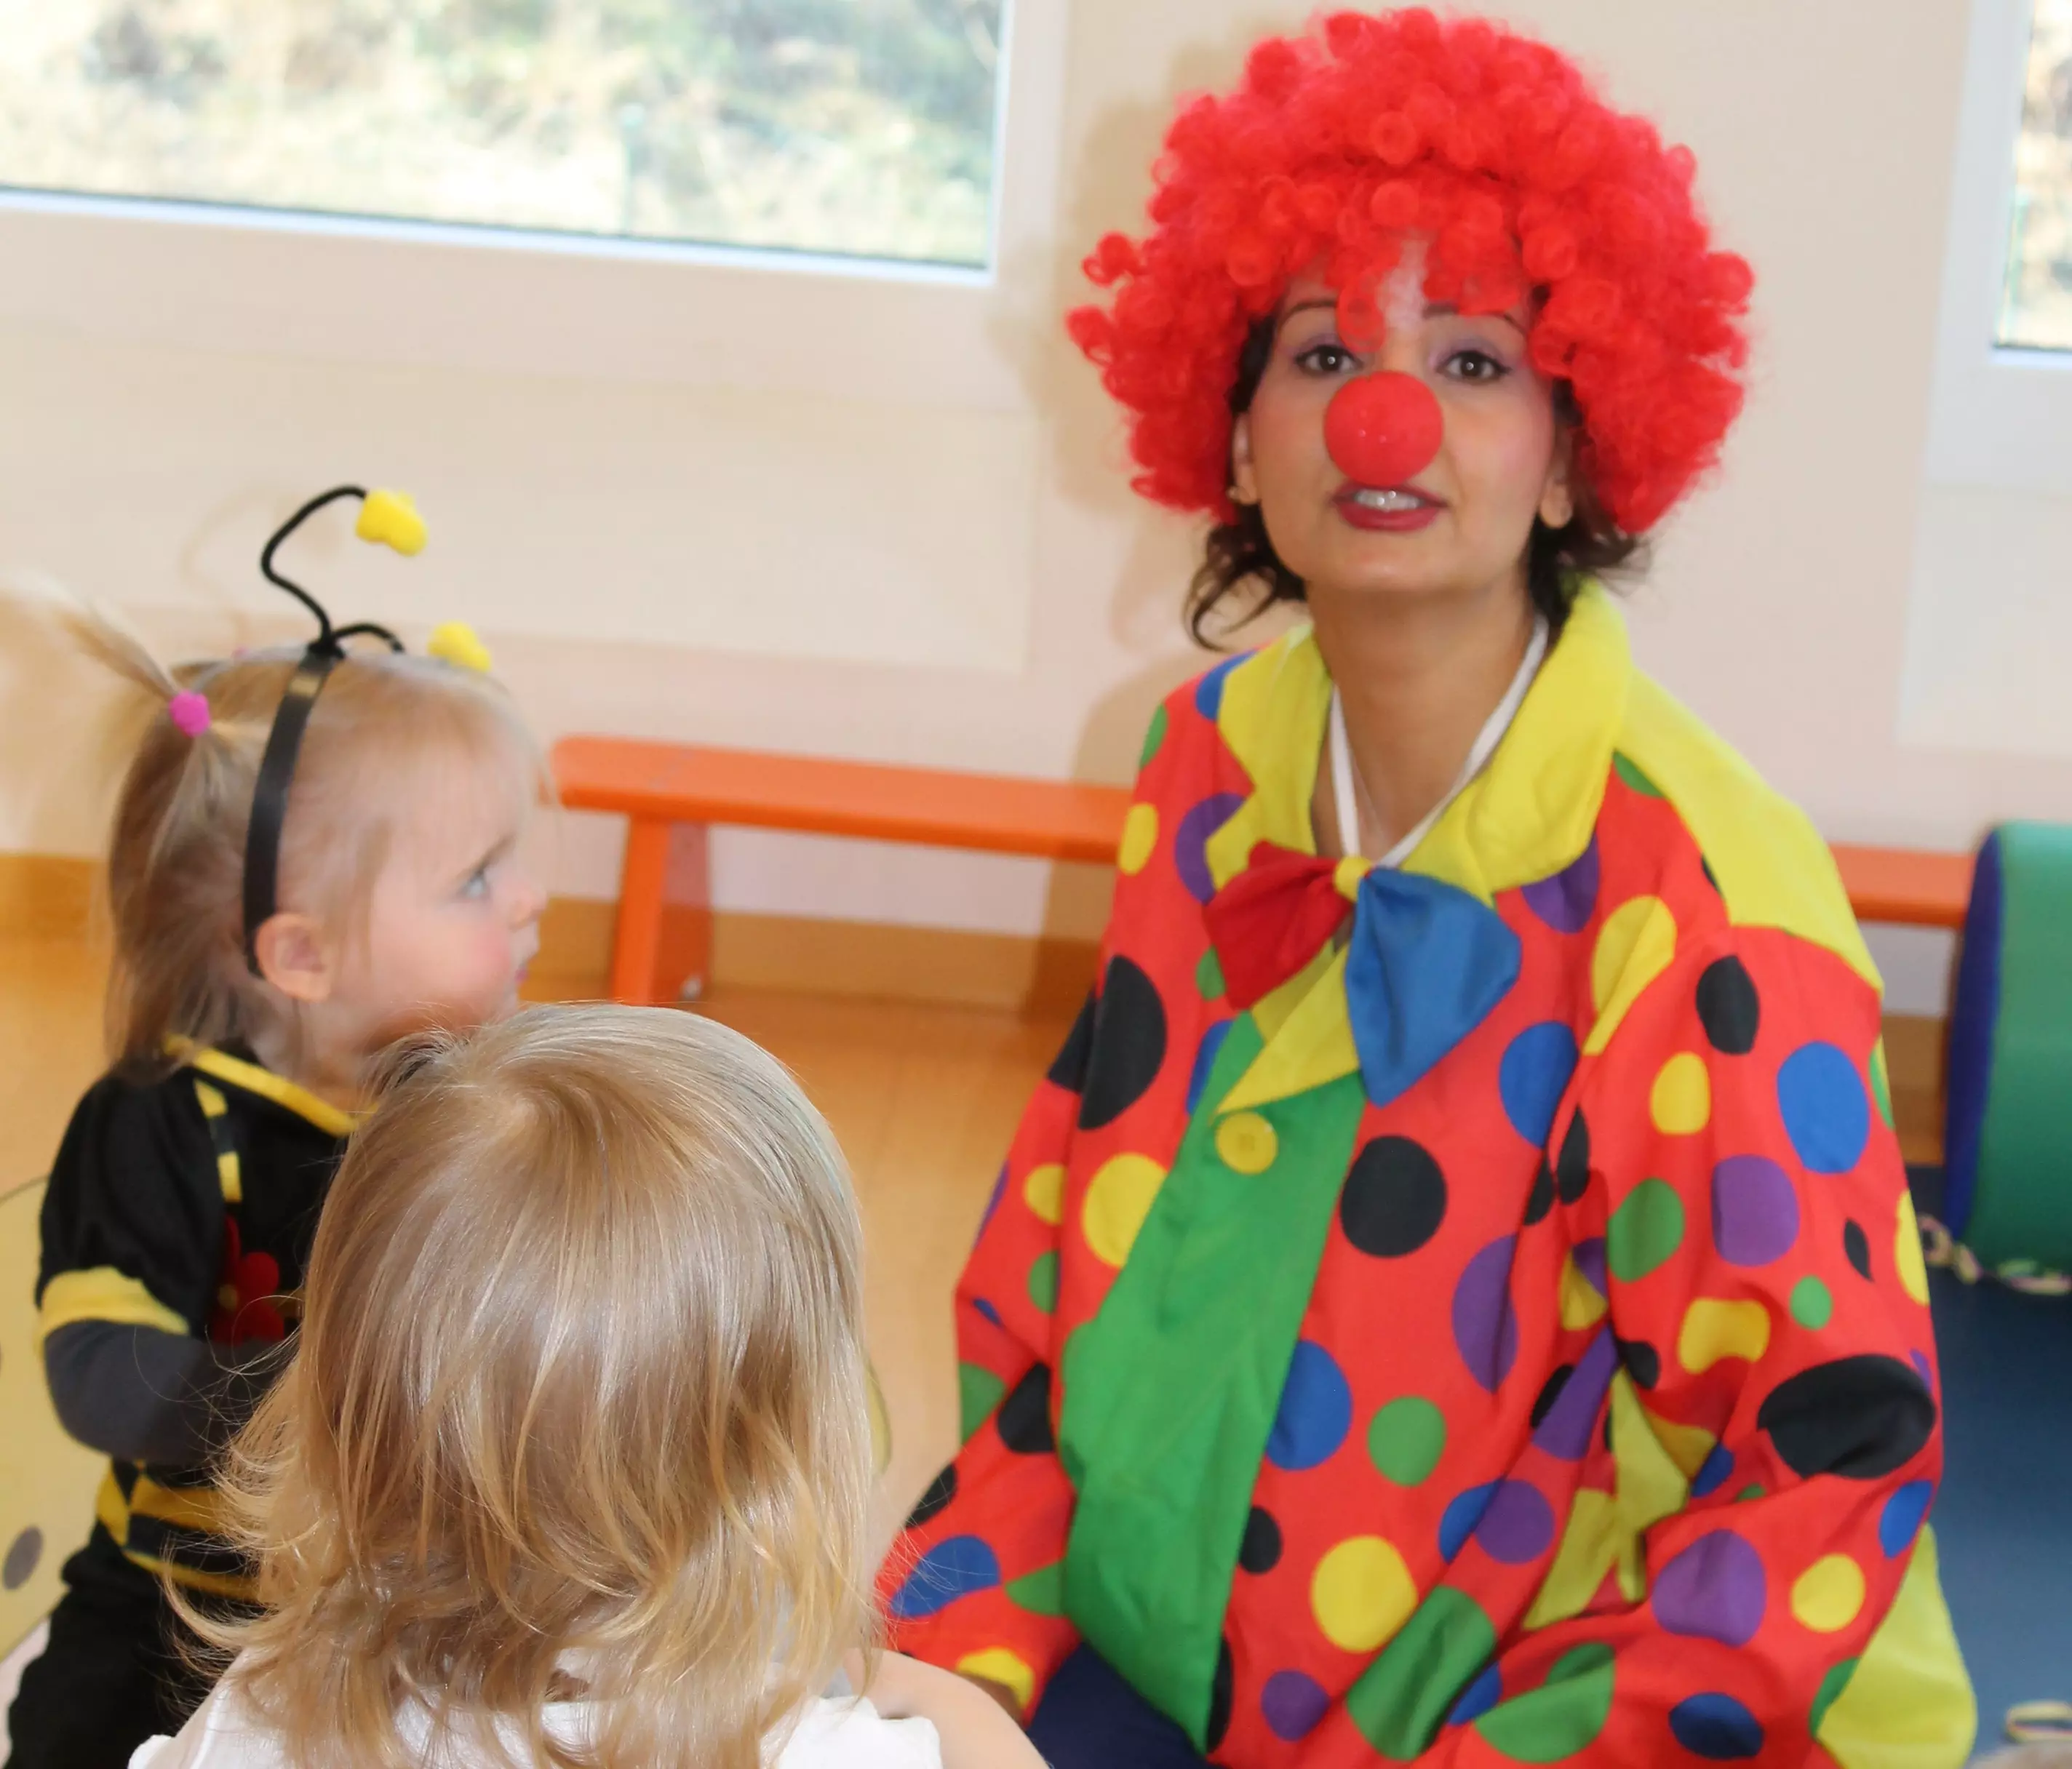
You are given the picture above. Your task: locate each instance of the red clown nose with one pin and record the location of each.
(1384, 430)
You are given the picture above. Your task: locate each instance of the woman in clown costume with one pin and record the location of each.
(1454, 1299)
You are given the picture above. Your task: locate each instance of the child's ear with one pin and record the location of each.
(293, 957)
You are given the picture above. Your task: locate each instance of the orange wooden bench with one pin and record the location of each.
(673, 793)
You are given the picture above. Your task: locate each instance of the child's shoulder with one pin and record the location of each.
(847, 1732)
(134, 1122)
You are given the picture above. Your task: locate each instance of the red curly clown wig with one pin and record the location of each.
(1339, 144)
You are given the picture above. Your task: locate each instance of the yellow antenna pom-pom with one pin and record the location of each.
(455, 642)
(391, 519)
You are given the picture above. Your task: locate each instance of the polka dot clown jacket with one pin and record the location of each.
(1466, 1314)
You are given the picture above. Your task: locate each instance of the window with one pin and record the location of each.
(862, 128)
(2035, 309)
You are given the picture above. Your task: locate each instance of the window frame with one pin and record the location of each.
(407, 293)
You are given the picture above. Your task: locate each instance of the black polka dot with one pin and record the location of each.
(1219, 1698)
(1069, 1070)
(1395, 1198)
(1857, 1246)
(1572, 1167)
(1260, 1550)
(1605, 1432)
(1541, 1199)
(1705, 866)
(1128, 1045)
(1728, 1008)
(936, 1499)
(1859, 1418)
(1550, 1392)
(1024, 1418)
(1642, 1361)
(24, 1553)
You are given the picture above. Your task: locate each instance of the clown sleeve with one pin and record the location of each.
(1732, 1147)
(975, 1583)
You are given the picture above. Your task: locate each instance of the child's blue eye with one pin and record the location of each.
(478, 883)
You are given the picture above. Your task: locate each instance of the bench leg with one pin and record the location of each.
(662, 951)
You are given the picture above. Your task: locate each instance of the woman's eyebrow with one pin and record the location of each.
(1443, 310)
(1331, 301)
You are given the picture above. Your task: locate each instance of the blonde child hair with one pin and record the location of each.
(578, 1404)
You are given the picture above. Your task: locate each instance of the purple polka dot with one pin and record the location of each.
(1485, 1324)
(1589, 1258)
(1518, 1527)
(1714, 1590)
(1572, 1423)
(1926, 1368)
(1462, 1515)
(1566, 901)
(1293, 1705)
(1191, 839)
(1755, 1211)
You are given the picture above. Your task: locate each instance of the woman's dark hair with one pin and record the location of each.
(1239, 552)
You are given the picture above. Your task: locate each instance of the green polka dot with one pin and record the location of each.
(1208, 976)
(1560, 1718)
(979, 1392)
(1812, 1304)
(1832, 1686)
(1043, 1283)
(1042, 1592)
(1153, 738)
(1402, 1698)
(1407, 1439)
(1644, 1231)
(1881, 1082)
(1748, 1493)
(1634, 778)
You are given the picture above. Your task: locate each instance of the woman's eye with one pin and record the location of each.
(1324, 359)
(1475, 365)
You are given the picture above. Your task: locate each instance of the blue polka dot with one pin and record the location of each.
(1826, 1113)
(1716, 1727)
(1717, 1471)
(987, 1309)
(1463, 1517)
(1533, 1076)
(949, 1570)
(1316, 1410)
(1900, 1522)
(1478, 1698)
(992, 1203)
(1205, 1060)
(1209, 691)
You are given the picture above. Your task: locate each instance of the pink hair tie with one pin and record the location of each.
(189, 710)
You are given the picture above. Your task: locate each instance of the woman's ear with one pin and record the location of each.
(1244, 478)
(1557, 496)
(293, 957)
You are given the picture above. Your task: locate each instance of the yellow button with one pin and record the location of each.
(1247, 1143)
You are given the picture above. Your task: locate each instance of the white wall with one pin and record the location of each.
(1032, 633)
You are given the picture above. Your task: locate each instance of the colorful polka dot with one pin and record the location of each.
(1155, 737)
(1832, 1686)
(1566, 901)
(1857, 1246)
(1564, 1431)
(1293, 1705)
(1223, 1689)
(1881, 1083)
(1457, 1521)
(1208, 976)
(1714, 1589)
(1315, 1412)
(1394, 1199)
(979, 1392)
(1485, 1324)
(1642, 1361)
(1246, 1143)
(1042, 1592)
(1907, 1257)
(1583, 1303)
(952, 1570)
(1478, 1697)
(1140, 840)
(1680, 1102)
(1634, 948)
(1812, 1303)
(1044, 1192)
(1563, 1716)
(1043, 1283)
(1534, 1073)
(1209, 690)
(1129, 1045)
(1407, 1439)
(1728, 1007)
(1826, 1114)
(1755, 1211)
(1829, 1595)
(1715, 1330)
(1517, 1525)
(942, 1490)
(1190, 842)
(1260, 1550)
(1361, 1594)
(1862, 1418)
(1629, 772)
(1205, 1061)
(1645, 1231)
(1023, 1420)
(1118, 1200)
(1068, 1068)
(992, 1204)
(1900, 1520)
(1403, 1697)
(1716, 1727)
(1572, 1168)
(1716, 1470)
(997, 1664)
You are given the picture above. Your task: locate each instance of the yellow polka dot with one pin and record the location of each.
(1633, 948)
(1140, 836)
(1347, 875)
(1581, 1304)
(1713, 1330)
(1118, 1201)
(1829, 1595)
(1907, 1252)
(1247, 1143)
(1361, 1594)
(1681, 1103)
(1044, 1192)
(1687, 1446)
(996, 1664)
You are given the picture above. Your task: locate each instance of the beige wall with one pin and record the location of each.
(1777, 606)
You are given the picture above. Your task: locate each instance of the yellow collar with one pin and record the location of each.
(251, 1078)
